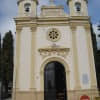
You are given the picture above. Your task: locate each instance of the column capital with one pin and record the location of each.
(73, 28)
(33, 28)
(87, 26)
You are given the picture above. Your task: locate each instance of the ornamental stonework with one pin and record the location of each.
(53, 35)
(46, 52)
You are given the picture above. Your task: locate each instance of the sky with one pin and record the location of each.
(9, 8)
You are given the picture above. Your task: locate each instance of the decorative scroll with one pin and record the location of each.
(45, 52)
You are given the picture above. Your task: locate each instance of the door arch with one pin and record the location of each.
(54, 81)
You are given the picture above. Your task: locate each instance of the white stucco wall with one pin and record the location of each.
(25, 59)
(43, 42)
(83, 59)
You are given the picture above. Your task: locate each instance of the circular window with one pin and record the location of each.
(53, 35)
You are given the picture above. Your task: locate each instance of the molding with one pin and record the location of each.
(67, 18)
(73, 28)
(45, 21)
(18, 29)
(45, 52)
(75, 90)
(87, 27)
(71, 94)
(63, 62)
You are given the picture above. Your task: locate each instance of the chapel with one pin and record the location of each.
(54, 55)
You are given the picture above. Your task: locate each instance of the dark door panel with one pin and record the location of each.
(54, 81)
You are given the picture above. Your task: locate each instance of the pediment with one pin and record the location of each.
(53, 11)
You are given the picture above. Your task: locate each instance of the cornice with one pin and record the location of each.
(53, 18)
(82, 18)
(23, 21)
(25, 18)
(41, 21)
(53, 21)
(73, 20)
(67, 18)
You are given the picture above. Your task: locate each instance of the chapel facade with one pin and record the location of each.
(54, 55)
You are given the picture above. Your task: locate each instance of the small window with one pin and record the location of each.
(99, 35)
(27, 7)
(78, 6)
(98, 27)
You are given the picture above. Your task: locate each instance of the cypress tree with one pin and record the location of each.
(0, 57)
(7, 62)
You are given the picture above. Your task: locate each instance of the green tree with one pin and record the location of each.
(0, 57)
(7, 62)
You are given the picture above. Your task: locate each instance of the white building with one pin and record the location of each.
(54, 55)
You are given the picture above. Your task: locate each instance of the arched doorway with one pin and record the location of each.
(54, 81)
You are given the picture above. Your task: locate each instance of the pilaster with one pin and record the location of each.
(18, 42)
(91, 58)
(17, 62)
(75, 58)
(33, 46)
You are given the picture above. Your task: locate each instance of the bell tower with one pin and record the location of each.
(78, 7)
(27, 8)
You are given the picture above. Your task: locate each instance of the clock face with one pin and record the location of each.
(53, 35)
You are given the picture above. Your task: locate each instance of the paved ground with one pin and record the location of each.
(8, 99)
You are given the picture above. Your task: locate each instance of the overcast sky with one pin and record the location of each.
(8, 10)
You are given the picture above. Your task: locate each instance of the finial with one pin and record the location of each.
(51, 2)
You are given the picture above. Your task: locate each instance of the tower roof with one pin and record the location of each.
(18, 1)
(71, 0)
